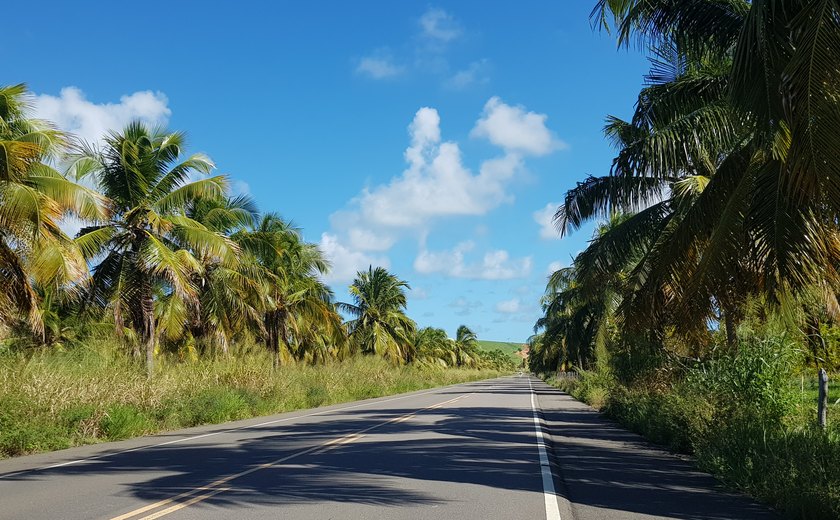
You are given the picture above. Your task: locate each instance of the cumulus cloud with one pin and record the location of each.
(553, 267)
(418, 293)
(435, 184)
(238, 187)
(346, 262)
(379, 67)
(544, 217)
(515, 129)
(73, 112)
(495, 265)
(367, 240)
(464, 307)
(439, 26)
(512, 306)
(476, 73)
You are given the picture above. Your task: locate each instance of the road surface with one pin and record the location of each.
(507, 448)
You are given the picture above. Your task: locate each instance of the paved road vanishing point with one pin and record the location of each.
(508, 448)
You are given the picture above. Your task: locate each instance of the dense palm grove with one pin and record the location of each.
(723, 199)
(706, 300)
(172, 263)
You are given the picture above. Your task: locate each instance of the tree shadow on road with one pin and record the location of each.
(606, 471)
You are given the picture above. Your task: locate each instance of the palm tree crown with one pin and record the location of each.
(150, 246)
(380, 325)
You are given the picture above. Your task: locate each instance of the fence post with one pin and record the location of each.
(822, 410)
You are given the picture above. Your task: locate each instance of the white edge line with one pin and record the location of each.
(229, 430)
(552, 510)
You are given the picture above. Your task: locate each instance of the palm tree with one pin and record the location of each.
(150, 247)
(581, 304)
(467, 346)
(299, 318)
(772, 200)
(380, 325)
(432, 346)
(230, 295)
(34, 251)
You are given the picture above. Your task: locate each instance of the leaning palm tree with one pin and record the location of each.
(34, 197)
(772, 201)
(380, 325)
(150, 248)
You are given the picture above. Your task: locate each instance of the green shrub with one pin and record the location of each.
(316, 395)
(123, 421)
(741, 415)
(22, 439)
(214, 405)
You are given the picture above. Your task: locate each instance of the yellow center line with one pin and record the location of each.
(188, 503)
(214, 489)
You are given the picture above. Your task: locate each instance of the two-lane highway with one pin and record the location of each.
(472, 451)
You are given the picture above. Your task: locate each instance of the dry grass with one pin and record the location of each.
(55, 400)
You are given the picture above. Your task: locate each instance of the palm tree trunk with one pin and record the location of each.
(731, 335)
(815, 341)
(281, 335)
(271, 339)
(147, 332)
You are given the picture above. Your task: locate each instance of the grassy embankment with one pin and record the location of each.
(50, 401)
(507, 347)
(743, 417)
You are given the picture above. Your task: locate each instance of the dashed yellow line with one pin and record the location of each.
(214, 488)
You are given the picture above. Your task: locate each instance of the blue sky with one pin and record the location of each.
(434, 139)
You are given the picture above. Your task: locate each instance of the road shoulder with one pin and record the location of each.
(607, 472)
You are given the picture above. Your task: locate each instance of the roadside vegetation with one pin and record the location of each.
(706, 301)
(514, 350)
(91, 394)
(177, 303)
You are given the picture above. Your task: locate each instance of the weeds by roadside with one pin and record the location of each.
(743, 417)
(52, 401)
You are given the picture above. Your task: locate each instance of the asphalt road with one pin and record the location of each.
(508, 448)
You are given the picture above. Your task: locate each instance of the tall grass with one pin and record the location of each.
(51, 401)
(744, 418)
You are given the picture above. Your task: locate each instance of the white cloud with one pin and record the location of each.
(238, 187)
(516, 130)
(418, 293)
(512, 306)
(464, 307)
(72, 112)
(439, 26)
(366, 240)
(495, 265)
(553, 267)
(435, 184)
(379, 67)
(474, 74)
(346, 262)
(545, 218)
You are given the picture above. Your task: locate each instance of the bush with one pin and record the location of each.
(214, 405)
(739, 414)
(124, 421)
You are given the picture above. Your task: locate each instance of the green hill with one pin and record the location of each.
(505, 346)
